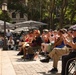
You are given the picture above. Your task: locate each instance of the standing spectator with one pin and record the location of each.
(8, 34)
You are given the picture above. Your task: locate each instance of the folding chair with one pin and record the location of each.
(71, 67)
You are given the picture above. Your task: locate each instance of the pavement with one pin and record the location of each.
(11, 64)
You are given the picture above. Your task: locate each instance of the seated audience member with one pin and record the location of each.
(29, 37)
(46, 47)
(69, 56)
(44, 37)
(35, 44)
(28, 40)
(58, 50)
(16, 40)
(25, 39)
(45, 42)
(10, 43)
(21, 43)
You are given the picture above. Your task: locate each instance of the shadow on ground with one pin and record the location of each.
(23, 60)
(44, 73)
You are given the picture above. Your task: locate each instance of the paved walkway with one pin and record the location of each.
(11, 64)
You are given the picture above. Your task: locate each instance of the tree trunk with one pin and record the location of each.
(63, 10)
(52, 6)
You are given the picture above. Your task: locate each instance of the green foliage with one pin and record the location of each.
(1, 1)
(52, 12)
(17, 6)
(0, 11)
(5, 16)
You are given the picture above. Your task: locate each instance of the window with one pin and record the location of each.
(21, 15)
(13, 15)
(13, 22)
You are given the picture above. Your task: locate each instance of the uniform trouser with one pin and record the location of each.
(65, 62)
(56, 53)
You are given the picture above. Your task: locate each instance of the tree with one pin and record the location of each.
(57, 13)
(17, 6)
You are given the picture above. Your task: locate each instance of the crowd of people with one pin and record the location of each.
(53, 44)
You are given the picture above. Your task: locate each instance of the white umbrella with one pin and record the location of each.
(1, 30)
(21, 29)
(24, 29)
(30, 23)
(73, 26)
(8, 25)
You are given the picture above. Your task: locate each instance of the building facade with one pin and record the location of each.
(17, 16)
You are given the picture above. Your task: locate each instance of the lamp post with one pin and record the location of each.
(4, 9)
